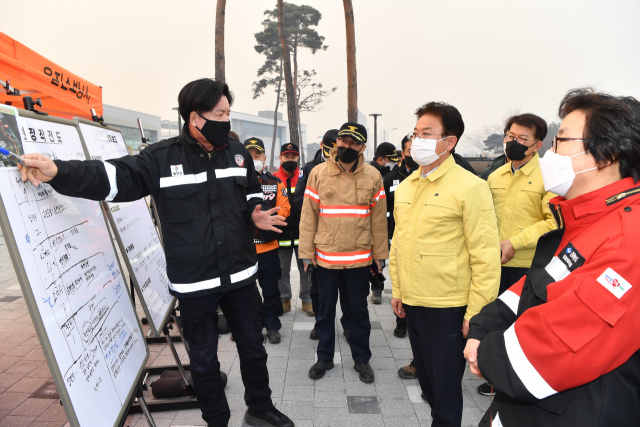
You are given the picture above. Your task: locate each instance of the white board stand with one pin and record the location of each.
(72, 282)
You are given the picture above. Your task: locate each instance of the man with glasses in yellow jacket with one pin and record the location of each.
(520, 201)
(444, 258)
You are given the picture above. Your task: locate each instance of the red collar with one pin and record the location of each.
(590, 207)
(282, 174)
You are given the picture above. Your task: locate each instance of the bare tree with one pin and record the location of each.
(352, 77)
(219, 42)
(286, 62)
(309, 101)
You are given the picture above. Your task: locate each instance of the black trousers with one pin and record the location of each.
(509, 276)
(356, 282)
(245, 315)
(344, 304)
(437, 345)
(269, 272)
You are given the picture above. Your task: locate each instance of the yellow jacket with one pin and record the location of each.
(445, 250)
(522, 208)
(344, 216)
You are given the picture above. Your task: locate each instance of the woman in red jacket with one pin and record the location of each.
(561, 345)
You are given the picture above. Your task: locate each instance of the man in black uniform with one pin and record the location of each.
(209, 202)
(328, 142)
(385, 158)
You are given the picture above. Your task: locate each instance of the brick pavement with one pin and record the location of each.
(332, 401)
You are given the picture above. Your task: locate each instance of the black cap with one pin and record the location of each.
(387, 149)
(254, 143)
(290, 148)
(355, 131)
(329, 141)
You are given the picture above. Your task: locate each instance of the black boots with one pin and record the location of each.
(319, 369)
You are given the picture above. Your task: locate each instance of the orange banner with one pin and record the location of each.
(63, 93)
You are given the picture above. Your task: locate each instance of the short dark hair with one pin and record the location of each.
(452, 123)
(201, 96)
(531, 121)
(404, 141)
(612, 131)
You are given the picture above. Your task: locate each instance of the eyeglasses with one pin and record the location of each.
(556, 140)
(349, 142)
(509, 138)
(423, 135)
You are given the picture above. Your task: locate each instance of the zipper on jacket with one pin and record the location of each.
(615, 199)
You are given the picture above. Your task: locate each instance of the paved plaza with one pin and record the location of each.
(338, 399)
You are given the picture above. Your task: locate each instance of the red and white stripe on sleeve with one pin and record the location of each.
(312, 194)
(379, 195)
(511, 297)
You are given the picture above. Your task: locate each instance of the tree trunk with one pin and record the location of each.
(352, 78)
(219, 54)
(296, 91)
(275, 118)
(294, 136)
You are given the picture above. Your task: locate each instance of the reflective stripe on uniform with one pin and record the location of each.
(511, 300)
(312, 194)
(532, 380)
(213, 283)
(288, 242)
(255, 195)
(392, 189)
(113, 184)
(170, 181)
(380, 195)
(229, 172)
(344, 257)
(388, 214)
(344, 211)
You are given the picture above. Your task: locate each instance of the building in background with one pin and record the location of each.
(127, 121)
(247, 126)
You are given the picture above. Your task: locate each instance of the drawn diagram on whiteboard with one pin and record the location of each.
(76, 288)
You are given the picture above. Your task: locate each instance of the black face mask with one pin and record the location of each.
(347, 154)
(516, 151)
(410, 163)
(215, 132)
(290, 166)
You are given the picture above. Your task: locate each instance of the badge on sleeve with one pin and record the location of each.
(571, 257)
(239, 160)
(300, 174)
(614, 283)
(565, 263)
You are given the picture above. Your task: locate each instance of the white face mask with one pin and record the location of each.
(557, 172)
(391, 165)
(504, 148)
(423, 151)
(258, 165)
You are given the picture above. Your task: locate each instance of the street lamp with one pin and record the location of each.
(375, 131)
(179, 121)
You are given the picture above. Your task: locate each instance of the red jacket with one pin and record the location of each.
(561, 345)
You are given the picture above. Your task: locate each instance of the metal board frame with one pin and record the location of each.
(35, 314)
(156, 329)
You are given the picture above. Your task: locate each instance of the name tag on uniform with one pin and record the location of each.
(566, 262)
(176, 170)
(614, 283)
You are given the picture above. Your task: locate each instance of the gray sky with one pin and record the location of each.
(488, 58)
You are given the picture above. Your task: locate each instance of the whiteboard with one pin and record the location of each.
(135, 232)
(72, 283)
